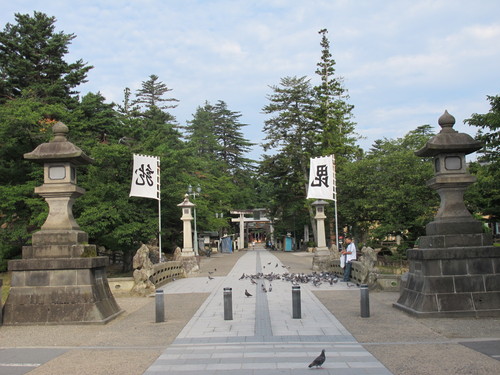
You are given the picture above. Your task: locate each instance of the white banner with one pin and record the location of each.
(322, 178)
(146, 177)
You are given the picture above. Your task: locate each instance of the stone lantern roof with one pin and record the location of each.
(186, 203)
(59, 149)
(448, 140)
(319, 202)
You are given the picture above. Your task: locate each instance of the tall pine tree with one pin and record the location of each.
(332, 111)
(232, 144)
(32, 61)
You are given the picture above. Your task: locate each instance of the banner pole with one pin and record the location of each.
(159, 213)
(335, 198)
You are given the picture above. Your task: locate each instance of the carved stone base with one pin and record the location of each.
(190, 265)
(452, 282)
(321, 259)
(59, 291)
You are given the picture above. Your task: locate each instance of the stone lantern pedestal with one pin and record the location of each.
(59, 280)
(455, 272)
(321, 255)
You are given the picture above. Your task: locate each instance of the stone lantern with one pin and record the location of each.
(188, 257)
(322, 254)
(187, 218)
(60, 280)
(453, 224)
(59, 159)
(456, 270)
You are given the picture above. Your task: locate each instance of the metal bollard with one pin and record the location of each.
(160, 306)
(228, 303)
(365, 301)
(296, 308)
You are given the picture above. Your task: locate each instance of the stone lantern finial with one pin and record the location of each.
(59, 130)
(446, 121)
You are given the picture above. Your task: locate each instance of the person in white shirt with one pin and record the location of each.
(349, 255)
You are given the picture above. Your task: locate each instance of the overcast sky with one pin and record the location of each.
(403, 62)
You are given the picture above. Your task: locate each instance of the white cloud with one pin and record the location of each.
(403, 61)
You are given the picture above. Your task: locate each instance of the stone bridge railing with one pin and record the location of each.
(165, 272)
(357, 271)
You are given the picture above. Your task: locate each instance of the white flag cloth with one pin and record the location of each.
(146, 177)
(321, 178)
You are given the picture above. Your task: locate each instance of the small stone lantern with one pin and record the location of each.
(187, 218)
(455, 270)
(322, 254)
(188, 258)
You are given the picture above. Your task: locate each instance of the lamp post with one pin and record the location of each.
(194, 194)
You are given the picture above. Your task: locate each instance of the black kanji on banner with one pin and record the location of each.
(321, 177)
(144, 175)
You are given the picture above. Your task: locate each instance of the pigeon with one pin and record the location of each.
(270, 288)
(247, 294)
(210, 277)
(318, 362)
(242, 276)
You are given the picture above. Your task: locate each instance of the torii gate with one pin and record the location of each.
(256, 217)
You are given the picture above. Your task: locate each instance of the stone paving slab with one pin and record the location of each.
(262, 337)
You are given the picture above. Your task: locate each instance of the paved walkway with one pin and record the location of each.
(262, 337)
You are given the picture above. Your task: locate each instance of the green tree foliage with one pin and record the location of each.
(385, 192)
(200, 132)
(489, 132)
(332, 110)
(37, 94)
(307, 122)
(23, 125)
(217, 163)
(151, 95)
(32, 61)
(484, 196)
(215, 132)
(232, 144)
(294, 136)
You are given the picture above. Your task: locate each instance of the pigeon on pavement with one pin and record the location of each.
(247, 294)
(318, 362)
